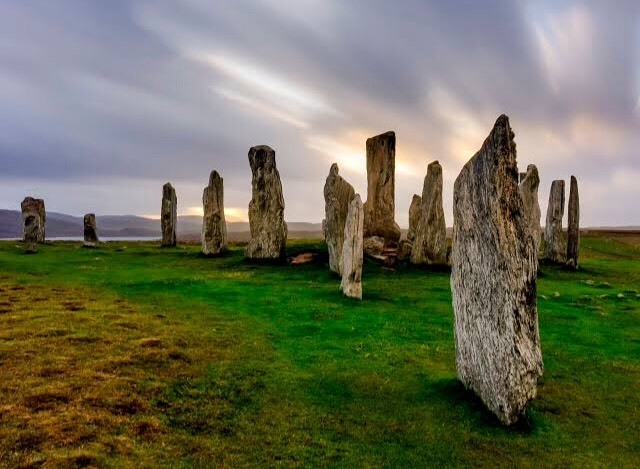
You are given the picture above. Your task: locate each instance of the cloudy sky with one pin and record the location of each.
(101, 102)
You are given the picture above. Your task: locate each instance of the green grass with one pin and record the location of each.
(147, 357)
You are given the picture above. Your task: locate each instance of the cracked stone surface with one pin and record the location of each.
(214, 226)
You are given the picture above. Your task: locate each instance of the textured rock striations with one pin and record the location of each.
(266, 209)
(529, 192)
(430, 244)
(90, 231)
(169, 215)
(379, 209)
(33, 208)
(493, 280)
(415, 213)
(573, 231)
(337, 195)
(352, 250)
(553, 241)
(214, 226)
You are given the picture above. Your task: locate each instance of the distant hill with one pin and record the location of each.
(189, 226)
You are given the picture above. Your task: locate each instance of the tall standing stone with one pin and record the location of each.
(573, 231)
(415, 213)
(169, 215)
(266, 209)
(90, 231)
(214, 226)
(554, 245)
(529, 192)
(379, 209)
(352, 250)
(430, 245)
(33, 207)
(337, 195)
(493, 280)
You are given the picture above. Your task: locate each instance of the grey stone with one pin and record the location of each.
(266, 209)
(214, 226)
(553, 239)
(352, 250)
(31, 232)
(573, 224)
(529, 192)
(493, 280)
(169, 215)
(379, 209)
(374, 245)
(90, 231)
(34, 207)
(430, 245)
(415, 212)
(337, 195)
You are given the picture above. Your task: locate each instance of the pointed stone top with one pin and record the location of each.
(167, 186)
(574, 180)
(334, 169)
(262, 156)
(415, 199)
(531, 176)
(214, 177)
(434, 166)
(356, 198)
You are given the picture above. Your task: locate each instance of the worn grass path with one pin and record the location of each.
(139, 356)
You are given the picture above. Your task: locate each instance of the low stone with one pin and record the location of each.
(90, 231)
(404, 250)
(169, 215)
(214, 226)
(352, 250)
(374, 245)
(573, 225)
(554, 246)
(337, 195)
(430, 244)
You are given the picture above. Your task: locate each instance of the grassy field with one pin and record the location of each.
(135, 356)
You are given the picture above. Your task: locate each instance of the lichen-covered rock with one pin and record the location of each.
(493, 280)
(529, 192)
(430, 244)
(553, 239)
(573, 231)
(379, 209)
(214, 226)
(31, 232)
(266, 209)
(337, 195)
(169, 215)
(90, 231)
(374, 245)
(415, 213)
(34, 207)
(352, 250)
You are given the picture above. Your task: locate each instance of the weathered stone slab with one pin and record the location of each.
(31, 206)
(529, 184)
(573, 231)
(379, 209)
(169, 215)
(430, 244)
(373, 245)
(352, 250)
(214, 226)
(337, 195)
(554, 249)
(415, 213)
(493, 280)
(266, 209)
(31, 232)
(90, 231)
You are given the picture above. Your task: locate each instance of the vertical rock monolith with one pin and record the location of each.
(529, 192)
(33, 207)
(169, 215)
(90, 231)
(214, 226)
(493, 280)
(352, 250)
(31, 232)
(337, 195)
(266, 209)
(554, 249)
(415, 213)
(430, 244)
(379, 209)
(573, 225)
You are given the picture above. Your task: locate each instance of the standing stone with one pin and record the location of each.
(529, 192)
(415, 213)
(493, 280)
(573, 232)
(169, 215)
(31, 232)
(337, 195)
(352, 250)
(33, 207)
(90, 231)
(554, 245)
(266, 209)
(379, 209)
(214, 226)
(430, 245)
